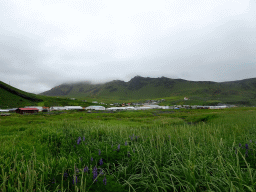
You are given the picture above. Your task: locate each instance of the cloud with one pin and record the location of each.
(46, 43)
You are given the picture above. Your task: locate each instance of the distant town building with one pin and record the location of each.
(73, 107)
(37, 107)
(100, 108)
(27, 110)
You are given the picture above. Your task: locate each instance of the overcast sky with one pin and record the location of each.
(44, 43)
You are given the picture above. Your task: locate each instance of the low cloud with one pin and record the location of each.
(46, 44)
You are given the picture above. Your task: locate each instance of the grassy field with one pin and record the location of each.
(153, 150)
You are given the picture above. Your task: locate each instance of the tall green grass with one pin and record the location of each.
(194, 150)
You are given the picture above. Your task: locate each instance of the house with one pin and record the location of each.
(27, 110)
(46, 109)
(37, 107)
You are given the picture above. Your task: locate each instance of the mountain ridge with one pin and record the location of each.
(243, 91)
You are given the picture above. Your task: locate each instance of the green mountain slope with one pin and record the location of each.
(204, 92)
(12, 97)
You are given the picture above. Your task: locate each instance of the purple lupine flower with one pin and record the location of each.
(86, 169)
(240, 145)
(118, 147)
(105, 181)
(125, 143)
(53, 180)
(65, 175)
(99, 152)
(128, 154)
(101, 161)
(246, 146)
(91, 158)
(79, 140)
(101, 172)
(95, 173)
(74, 181)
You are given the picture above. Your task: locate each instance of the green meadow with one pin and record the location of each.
(152, 150)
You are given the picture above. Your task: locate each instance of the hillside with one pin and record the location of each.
(200, 92)
(12, 97)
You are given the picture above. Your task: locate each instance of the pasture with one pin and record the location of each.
(153, 150)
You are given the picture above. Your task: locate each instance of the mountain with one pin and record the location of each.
(12, 97)
(199, 92)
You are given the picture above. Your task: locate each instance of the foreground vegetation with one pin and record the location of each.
(154, 150)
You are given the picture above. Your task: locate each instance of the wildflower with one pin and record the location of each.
(99, 152)
(101, 161)
(91, 158)
(125, 143)
(74, 181)
(53, 180)
(105, 181)
(128, 154)
(65, 175)
(95, 173)
(136, 138)
(86, 169)
(101, 172)
(118, 147)
(240, 145)
(79, 140)
(246, 146)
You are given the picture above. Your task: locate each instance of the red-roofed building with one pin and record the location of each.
(27, 110)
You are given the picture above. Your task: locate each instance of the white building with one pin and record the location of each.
(4, 110)
(57, 108)
(73, 107)
(98, 108)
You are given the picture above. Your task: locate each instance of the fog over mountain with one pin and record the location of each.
(47, 43)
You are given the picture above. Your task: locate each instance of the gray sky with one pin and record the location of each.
(44, 43)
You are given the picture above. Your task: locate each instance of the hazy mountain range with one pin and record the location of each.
(239, 92)
(242, 92)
